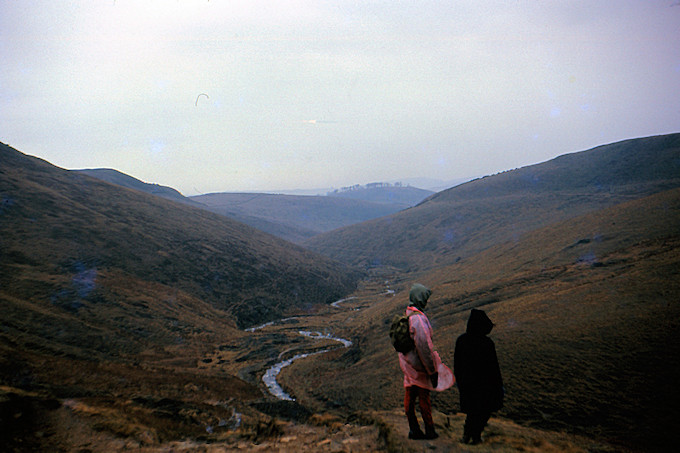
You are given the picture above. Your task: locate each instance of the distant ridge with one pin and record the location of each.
(473, 216)
(397, 193)
(295, 218)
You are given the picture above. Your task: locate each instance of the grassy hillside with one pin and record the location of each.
(110, 298)
(121, 179)
(472, 217)
(69, 242)
(586, 327)
(294, 218)
(122, 313)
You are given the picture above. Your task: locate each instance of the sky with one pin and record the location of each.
(229, 95)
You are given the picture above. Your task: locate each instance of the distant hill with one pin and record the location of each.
(474, 216)
(405, 196)
(294, 217)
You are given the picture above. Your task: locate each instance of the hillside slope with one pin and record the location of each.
(255, 217)
(75, 246)
(121, 179)
(586, 327)
(472, 217)
(294, 218)
(110, 298)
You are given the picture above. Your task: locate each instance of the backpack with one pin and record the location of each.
(400, 334)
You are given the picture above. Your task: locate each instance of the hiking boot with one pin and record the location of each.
(430, 433)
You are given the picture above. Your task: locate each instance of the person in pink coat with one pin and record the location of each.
(422, 367)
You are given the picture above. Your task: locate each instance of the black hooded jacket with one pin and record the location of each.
(475, 366)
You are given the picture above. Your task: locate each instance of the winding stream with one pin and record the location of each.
(267, 324)
(337, 303)
(269, 377)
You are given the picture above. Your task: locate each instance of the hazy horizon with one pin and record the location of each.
(216, 96)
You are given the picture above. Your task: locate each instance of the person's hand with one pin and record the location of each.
(434, 379)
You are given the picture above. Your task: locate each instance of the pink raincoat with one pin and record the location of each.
(419, 363)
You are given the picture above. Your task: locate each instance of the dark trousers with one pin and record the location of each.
(423, 397)
(474, 424)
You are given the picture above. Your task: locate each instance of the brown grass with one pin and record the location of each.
(586, 345)
(148, 359)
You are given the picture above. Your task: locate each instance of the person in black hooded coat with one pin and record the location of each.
(478, 375)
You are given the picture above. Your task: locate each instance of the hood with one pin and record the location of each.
(479, 323)
(419, 295)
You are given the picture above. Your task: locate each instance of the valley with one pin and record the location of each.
(134, 322)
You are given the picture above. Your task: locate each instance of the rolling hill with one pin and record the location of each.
(110, 297)
(122, 322)
(398, 194)
(80, 252)
(295, 217)
(474, 216)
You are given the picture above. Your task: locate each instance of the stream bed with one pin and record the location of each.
(269, 377)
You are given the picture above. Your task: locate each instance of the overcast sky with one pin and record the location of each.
(227, 95)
